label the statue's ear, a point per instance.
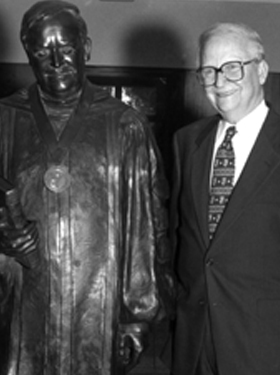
(87, 47)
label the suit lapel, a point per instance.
(201, 163)
(263, 160)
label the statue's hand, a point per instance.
(20, 243)
(132, 340)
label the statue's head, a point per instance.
(54, 36)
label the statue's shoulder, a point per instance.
(100, 98)
(19, 100)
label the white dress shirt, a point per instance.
(243, 141)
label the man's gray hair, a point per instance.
(238, 29)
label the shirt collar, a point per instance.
(244, 126)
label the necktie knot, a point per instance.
(230, 132)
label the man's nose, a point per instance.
(56, 58)
(220, 79)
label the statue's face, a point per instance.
(57, 55)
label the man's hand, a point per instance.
(20, 243)
(132, 340)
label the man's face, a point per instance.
(234, 100)
(57, 55)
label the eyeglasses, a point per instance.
(233, 71)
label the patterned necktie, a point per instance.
(222, 180)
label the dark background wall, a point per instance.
(150, 33)
(149, 48)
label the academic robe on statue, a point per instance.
(97, 196)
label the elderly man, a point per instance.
(226, 216)
(78, 299)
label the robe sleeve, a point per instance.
(10, 270)
(147, 281)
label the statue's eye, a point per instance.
(67, 50)
(41, 54)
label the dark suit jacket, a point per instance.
(237, 276)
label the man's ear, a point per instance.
(263, 69)
(87, 48)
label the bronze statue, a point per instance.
(90, 181)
